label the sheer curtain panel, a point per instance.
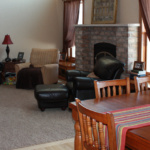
(71, 14)
(145, 12)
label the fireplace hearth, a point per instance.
(123, 37)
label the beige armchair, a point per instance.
(47, 59)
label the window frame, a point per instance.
(142, 52)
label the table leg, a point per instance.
(77, 142)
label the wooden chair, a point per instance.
(141, 83)
(92, 129)
(111, 88)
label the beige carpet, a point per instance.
(22, 124)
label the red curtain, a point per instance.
(145, 12)
(71, 14)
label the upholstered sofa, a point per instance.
(82, 87)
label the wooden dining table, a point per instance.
(136, 139)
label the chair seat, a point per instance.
(28, 78)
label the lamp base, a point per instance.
(7, 51)
(7, 59)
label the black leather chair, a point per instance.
(82, 87)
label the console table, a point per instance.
(63, 67)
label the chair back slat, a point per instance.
(102, 137)
(93, 129)
(109, 92)
(89, 130)
(103, 93)
(141, 83)
(111, 88)
(85, 128)
(114, 91)
(95, 134)
(120, 90)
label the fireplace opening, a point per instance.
(104, 49)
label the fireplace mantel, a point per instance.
(109, 25)
(124, 36)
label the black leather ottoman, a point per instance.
(49, 96)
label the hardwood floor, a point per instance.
(67, 144)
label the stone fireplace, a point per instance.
(124, 37)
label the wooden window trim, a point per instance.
(140, 38)
(142, 45)
(142, 55)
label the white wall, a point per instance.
(39, 23)
(127, 11)
(30, 24)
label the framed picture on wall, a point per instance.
(104, 11)
(20, 55)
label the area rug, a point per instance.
(22, 124)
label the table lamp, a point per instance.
(7, 40)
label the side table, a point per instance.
(10, 67)
(63, 67)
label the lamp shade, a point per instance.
(7, 40)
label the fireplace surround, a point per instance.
(123, 36)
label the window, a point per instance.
(145, 48)
(72, 51)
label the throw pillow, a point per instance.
(92, 75)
